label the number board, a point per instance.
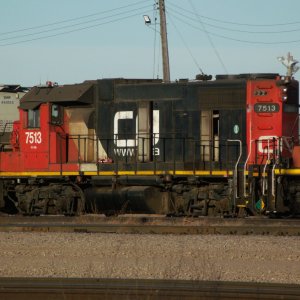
(266, 107)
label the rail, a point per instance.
(151, 224)
(111, 289)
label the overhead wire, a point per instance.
(173, 8)
(141, 10)
(231, 29)
(155, 54)
(187, 19)
(209, 38)
(185, 44)
(237, 39)
(72, 19)
(70, 31)
(237, 23)
(73, 25)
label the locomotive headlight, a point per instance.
(284, 95)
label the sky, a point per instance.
(69, 41)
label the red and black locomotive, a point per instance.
(224, 147)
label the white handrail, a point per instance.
(235, 169)
(274, 166)
(265, 167)
(245, 167)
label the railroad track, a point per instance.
(151, 224)
(110, 289)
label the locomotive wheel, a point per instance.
(67, 198)
(76, 204)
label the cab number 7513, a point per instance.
(33, 137)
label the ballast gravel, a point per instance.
(191, 257)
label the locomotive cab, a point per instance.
(272, 115)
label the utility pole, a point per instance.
(164, 41)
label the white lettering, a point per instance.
(33, 137)
(124, 152)
(156, 151)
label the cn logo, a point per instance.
(267, 143)
(131, 143)
(121, 115)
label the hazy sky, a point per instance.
(69, 41)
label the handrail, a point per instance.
(188, 151)
(236, 169)
(265, 167)
(274, 166)
(4, 129)
(245, 167)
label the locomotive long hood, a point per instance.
(75, 93)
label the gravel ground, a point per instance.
(202, 257)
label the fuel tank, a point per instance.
(127, 199)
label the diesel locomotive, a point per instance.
(223, 147)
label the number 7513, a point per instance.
(33, 137)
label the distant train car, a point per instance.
(9, 101)
(225, 147)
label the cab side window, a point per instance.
(33, 118)
(56, 114)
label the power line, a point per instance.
(240, 24)
(72, 25)
(236, 39)
(209, 37)
(233, 30)
(72, 19)
(70, 31)
(185, 44)
(159, 48)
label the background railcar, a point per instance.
(10, 95)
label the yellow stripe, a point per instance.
(287, 171)
(145, 173)
(189, 173)
(292, 172)
(120, 173)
